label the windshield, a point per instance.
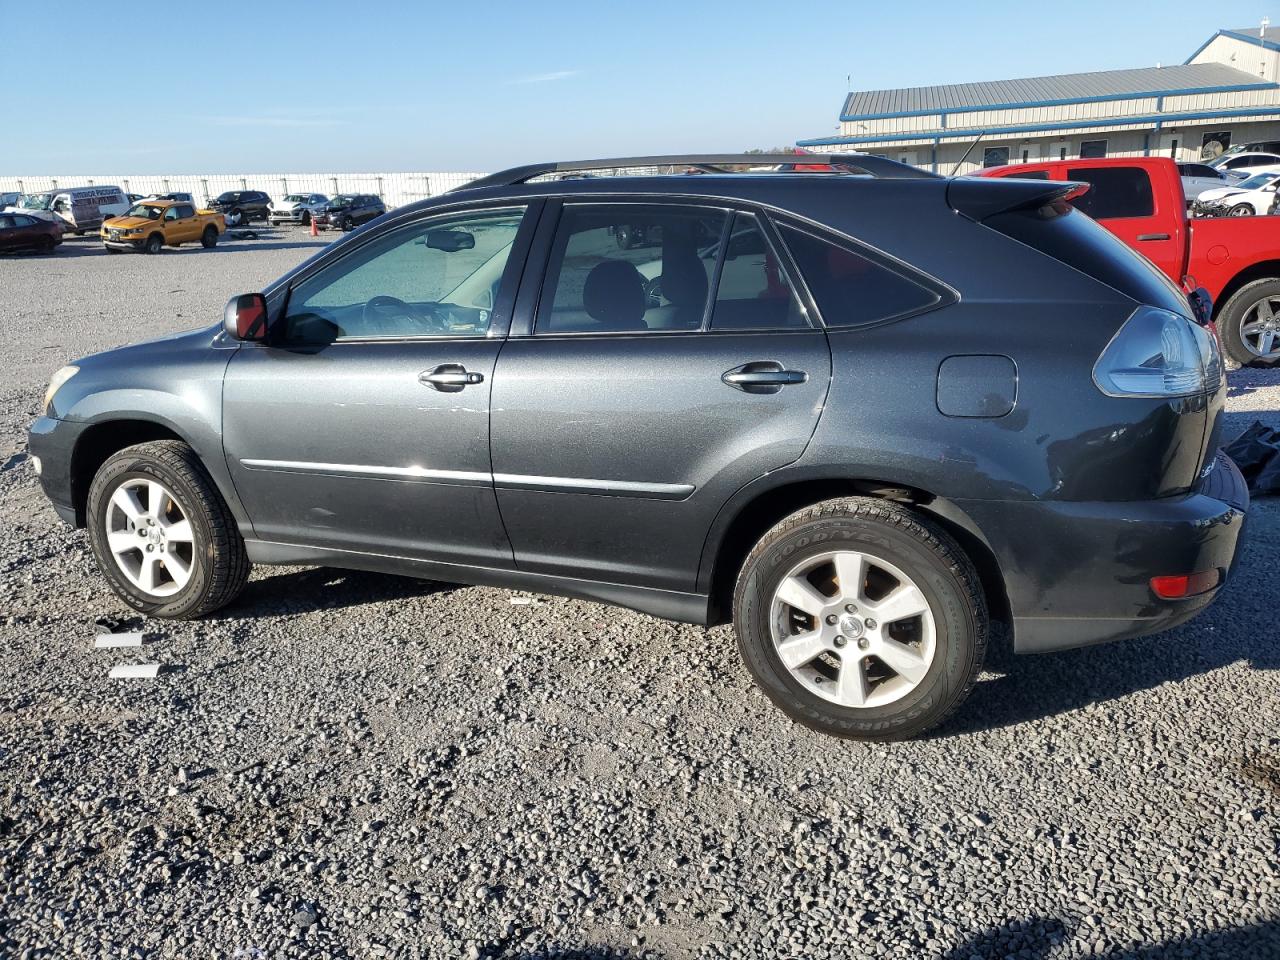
(1258, 181)
(147, 211)
(37, 201)
(341, 201)
(296, 198)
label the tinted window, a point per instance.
(1031, 175)
(1198, 170)
(185, 211)
(629, 269)
(1115, 192)
(753, 292)
(433, 279)
(1093, 149)
(849, 288)
(995, 156)
(7, 222)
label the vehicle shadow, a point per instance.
(1039, 939)
(322, 588)
(1238, 626)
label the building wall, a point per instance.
(396, 189)
(1249, 57)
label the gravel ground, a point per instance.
(348, 765)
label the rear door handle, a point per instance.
(1153, 236)
(762, 376)
(450, 377)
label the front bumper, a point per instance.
(286, 216)
(53, 441)
(1079, 573)
(134, 245)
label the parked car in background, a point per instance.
(349, 210)
(1199, 177)
(851, 443)
(9, 199)
(176, 196)
(1236, 261)
(1245, 163)
(1249, 198)
(241, 207)
(78, 209)
(19, 231)
(151, 225)
(297, 208)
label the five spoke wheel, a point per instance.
(853, 628)
(1260, 330)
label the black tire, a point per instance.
(48, 245)
(111, 250)
(1241, 210)
(306, 219)
(220, 565)
(154, 244)
(209, 239)
(347, 224)
(921, 550)
(1236, 313)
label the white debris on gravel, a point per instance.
(378, 767)
(134, 671)
(107, 641)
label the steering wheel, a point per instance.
(393, 306)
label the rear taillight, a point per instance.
(1158, 353)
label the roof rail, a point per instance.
(879, 167)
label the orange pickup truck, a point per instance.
(151, 225)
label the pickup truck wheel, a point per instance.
(209, 238)
(1250, 323)
(861, 618)
(161, 533)
(154, 244)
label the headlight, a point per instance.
(56, 381)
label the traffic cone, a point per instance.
(314, 232)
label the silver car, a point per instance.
(1199, 177)
(297, 207)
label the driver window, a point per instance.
(437, 278)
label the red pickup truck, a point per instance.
(1237, 259)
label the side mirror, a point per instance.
(246, 318)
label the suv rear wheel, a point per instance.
(862, 619)
(161, 533)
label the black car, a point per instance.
(18, 231)
(349, 210)
(882, 411)
(241, 207)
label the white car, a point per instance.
(1244, 162)
(1248, 198)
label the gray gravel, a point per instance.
(349, 765)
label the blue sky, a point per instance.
(480, 85)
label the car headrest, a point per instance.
(613, 295)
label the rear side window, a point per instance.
(1115, 192)
(630, 268)
(851, 289)
(753, 292)
(1030, 175)
(185, 211)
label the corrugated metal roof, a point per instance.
(1271, 33)
(1067, 87)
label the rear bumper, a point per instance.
(1079, 573)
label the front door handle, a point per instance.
(762, 376)
(450, 377)
(1153, 236)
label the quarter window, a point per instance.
(439, 278)
(1115, 192)
(850, 288)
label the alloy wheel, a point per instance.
(1260, 328)
(853, 629)
(150, 537)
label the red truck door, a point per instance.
(1124, 200)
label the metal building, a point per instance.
(1227, 93)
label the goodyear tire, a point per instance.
(861, 618)
(161, 533)
(209, 239)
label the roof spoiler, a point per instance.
(981, 197)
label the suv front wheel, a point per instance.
(861, 618)
(162, 534)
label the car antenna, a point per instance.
(966, 153)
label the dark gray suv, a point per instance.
(862, 413)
